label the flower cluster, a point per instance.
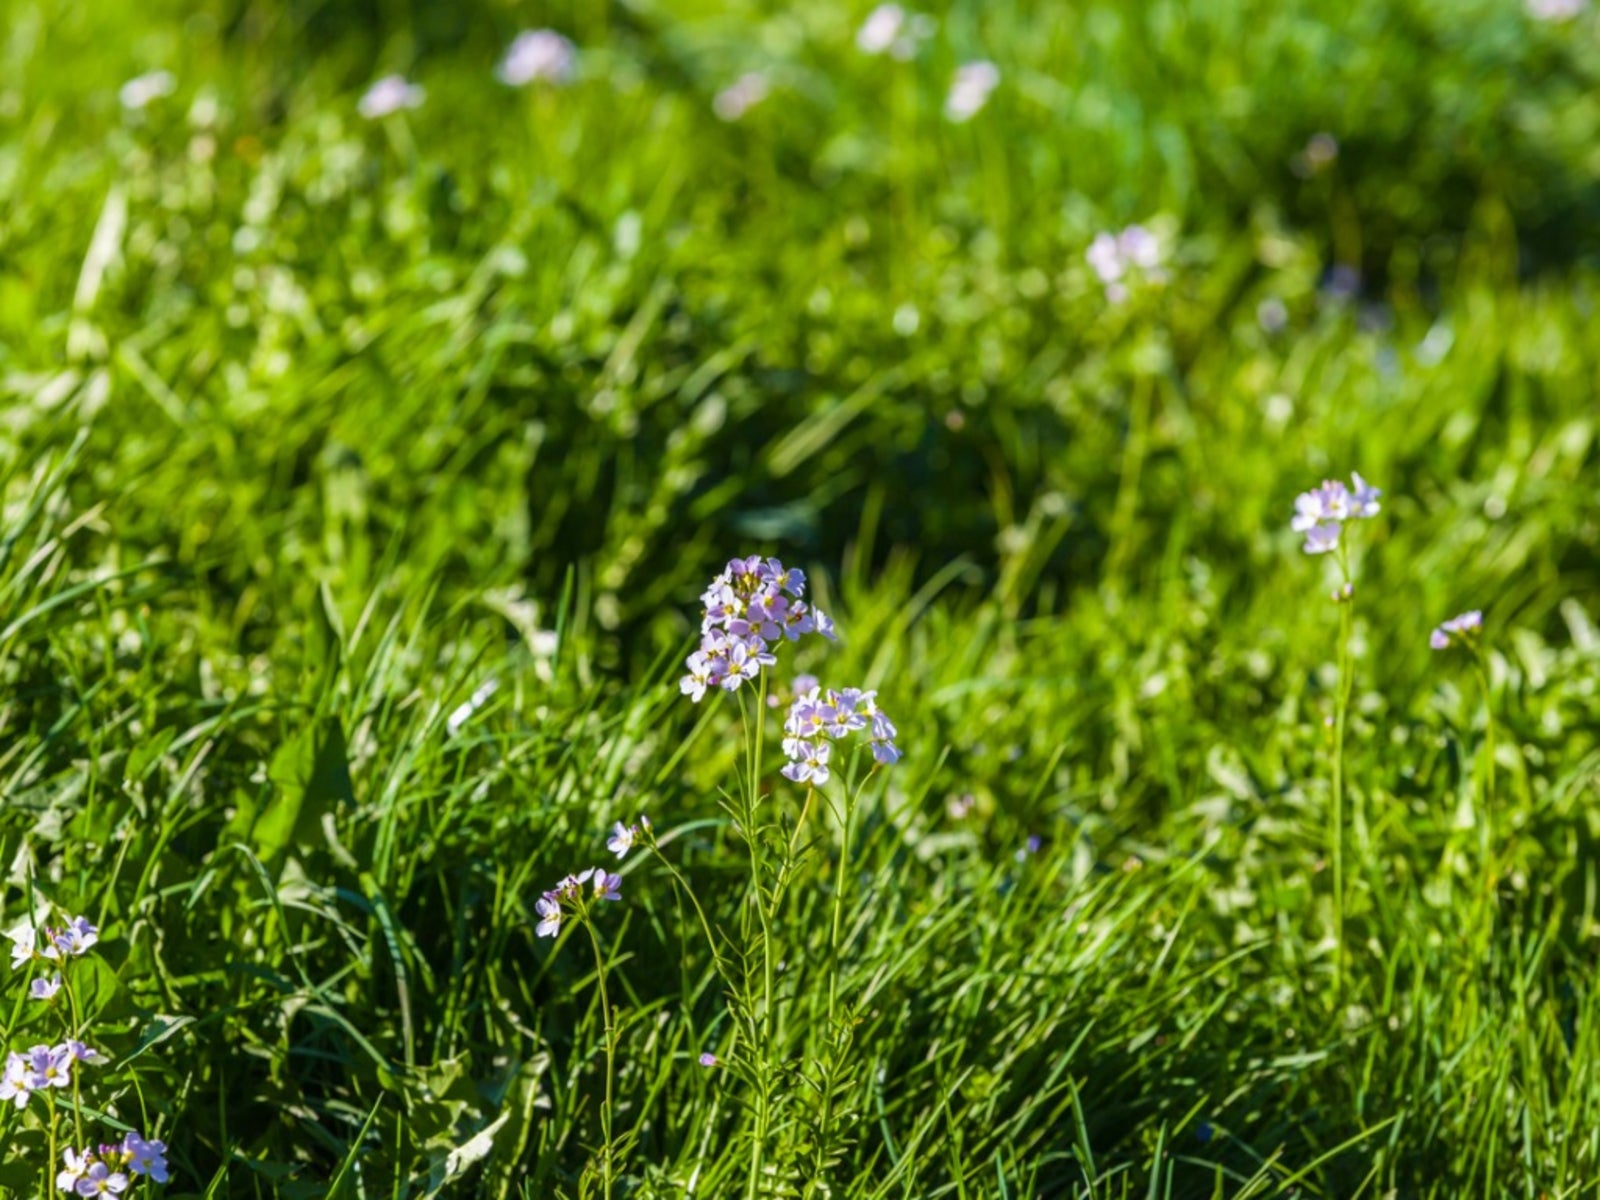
(1463, 630)
(969, 90)
(573, 895)
(1114, 257)
(71, 941)
(1321, 512)
(890, 28)
(105, 1171)
(43, 1067)
(818, 718)
(752, 604)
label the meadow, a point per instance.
(366, 455)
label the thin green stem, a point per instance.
(607, 1166)
(1341, 708)
(1486, 840)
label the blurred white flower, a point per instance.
(891, 29)
(538, 54)
(970, 89)
(1555, 10)
(739, 97)
(139, 91)
(389, 95)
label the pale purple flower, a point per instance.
(1322, 538)
(82, 1052)
(1139, 247)
(390, 95)
(1555, 10)
(142, 89)
(76, 938)
(747, 608)
(884, 752)
(740, 96)
(49, 1067)
(969, 90)
(75, 1168)
(16, 1084)
(1105, 258)
(621, 839)
(708, 1059)
(1029, 847)
(1114, 257)
(810, 764)
(1463, 629)
(824, 624)
(146, 1156)
(607, 886)
(1363, 497)
(538, 54)
(101, 1180)
(549, 910)
(45, 987)
(891, 28)
(24, 943)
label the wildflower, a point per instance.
(75, 1168)
(101, 1180)
(607, 887)
(970, 89)
(740, 96)
(891, 28)
(1113, 256)
(537, 54)
(24, 945)
(142, 89)
(818, 717)
(549, 910)
(146, 1156)
(1320, 539)
(49, 1067)
(82, 1052)
(749, 606)
(1029, 847)
(621, 839)
(1320, 512)
(708, 1059)
(16, 1084)
(388, 96)
(810, 764)
(1555, 10)
(1463, 629)
(45, 988)
(75, 939)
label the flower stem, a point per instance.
(1486, 841)
(607, 1166)
(1341, 708)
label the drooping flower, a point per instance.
(970, 89)
(390, 95)
(45, 987)
(1463, 629)
(740, 96)
(146, 1156)
(538, 54)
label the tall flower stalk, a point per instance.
(1320, 515)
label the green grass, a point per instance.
(311, 426)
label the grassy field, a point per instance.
(360, 478)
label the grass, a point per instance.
(311, 427)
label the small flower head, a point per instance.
(890, 28)
(622, 838)
(753, 604)
(607, 886)
(142, 89)
(390, 95)
(82, 1052)
(45, 987)
(50, 1067)
(16, 1083)
(1320, 513)
(101, 1180)
(1322, 538)
(969, 90)
(75, 939)
(1462, 630)
(538, 55)
(24, 945)
(549, 909)
(740, 96)
(146, 1157)
(75, 1165)
(708, 1059)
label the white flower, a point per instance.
(970, 89)
(739, 97)
(138, 92)
(389, 95)
(538, 54)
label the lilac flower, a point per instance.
(146, 1157)
(809, 763)
(75, 939)
(1320, 539)
(45, 988)
(621, 839)
(49, 1067)
(82, 1052)
(549, 910)
(1029, 847)
(1463, 629)
(537, 54)
(1555, 10)
(1321, 512)
(817, 717)
(890, 28)
(607, 887)
(740, 96)
(708, 1059)
(101, 1180)
(969, 90)
(75, 1168)
(1115, 256)
(747, 608)
(16, 1084)
(142, 89)
(388, 96)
